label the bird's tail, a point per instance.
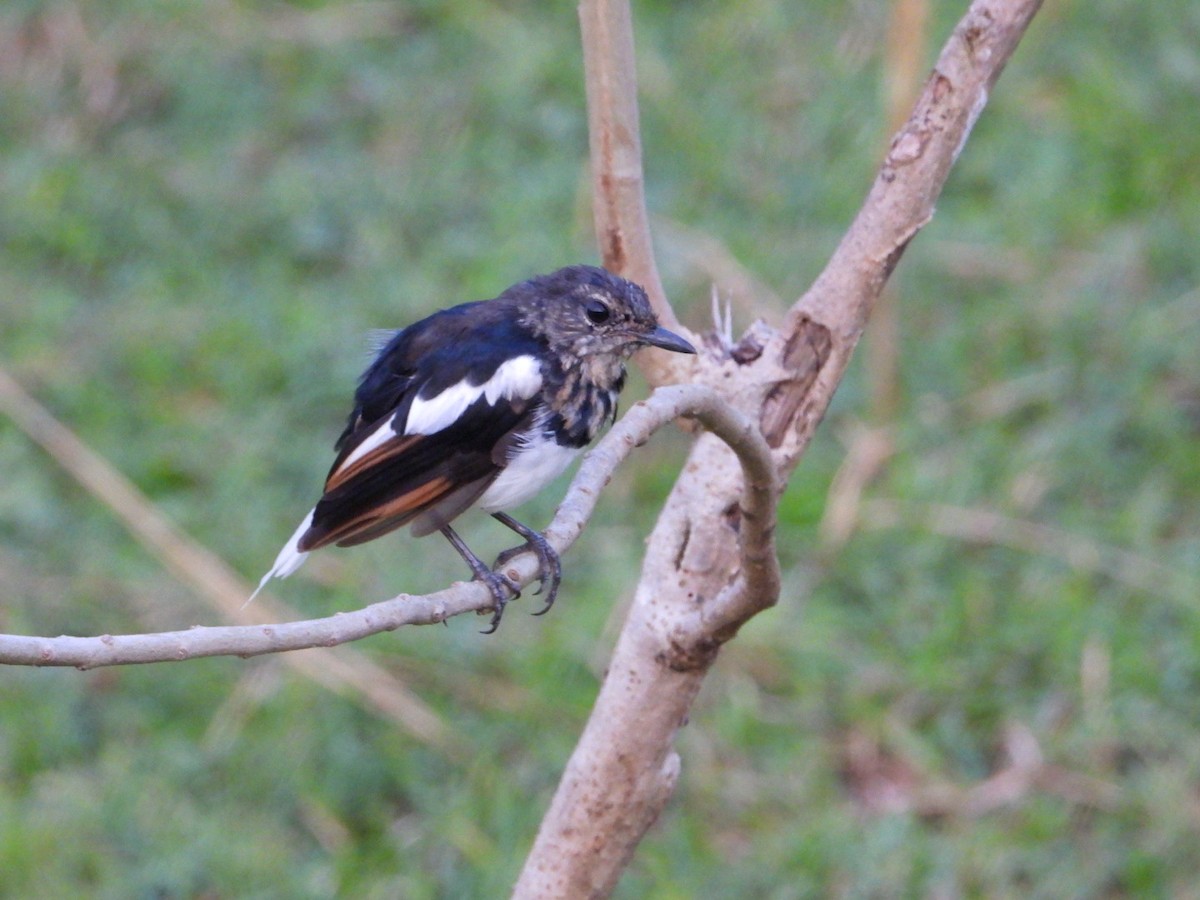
(290, 558)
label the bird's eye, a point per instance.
(597, 312)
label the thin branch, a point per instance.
(633, 430)
(619, 204)
(756, 587)
(759, 561)
(343, 671)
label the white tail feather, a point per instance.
(288, 561)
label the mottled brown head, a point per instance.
(586, 312)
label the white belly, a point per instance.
(533, 468)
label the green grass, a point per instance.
(204, 208)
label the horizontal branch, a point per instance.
(633, 430)
(341, 670)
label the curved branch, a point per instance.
(633, 430)
(687, 401)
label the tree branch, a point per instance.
(342, 671)
(633, 430)
(834, 311)
(697, 584)
(619, 202)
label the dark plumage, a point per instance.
(481, 404)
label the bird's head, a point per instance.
(587, 312)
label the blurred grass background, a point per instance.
(205, 206)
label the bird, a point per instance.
(481, 405)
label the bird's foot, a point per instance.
(498, 584)
(549, 565)
(501, 586)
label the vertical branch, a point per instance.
(619, 202)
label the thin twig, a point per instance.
(633, 430)
(344, 671)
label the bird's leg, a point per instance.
(498, 584)
(550, 564)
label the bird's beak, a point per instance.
(666, 340)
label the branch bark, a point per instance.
(634, 429)
(615, 144)
(696, 588)
(341, 671)
(711, 562)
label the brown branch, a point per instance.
(619, 211)
(633, 430)
(696, 588)
(343, 672)
(900, 203)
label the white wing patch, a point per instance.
(432, 415)
(289, 559)
(383, 432)
(518, 377)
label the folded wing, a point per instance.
(438, 447)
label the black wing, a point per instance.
(473, 375)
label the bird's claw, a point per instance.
(511, 553)
(500, 586)
(549, 568)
